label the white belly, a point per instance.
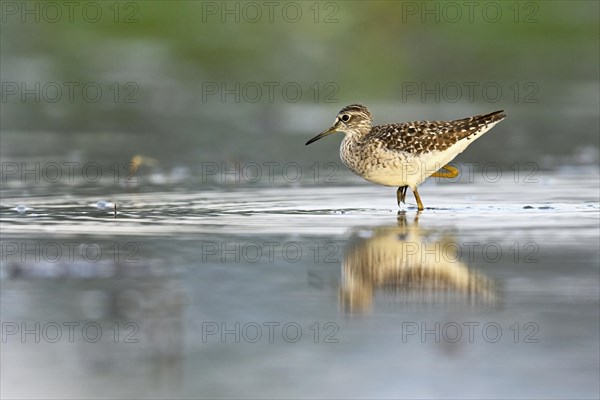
(401, 169)
(411, 172)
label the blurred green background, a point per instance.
(161, 67)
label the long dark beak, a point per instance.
(321, 135)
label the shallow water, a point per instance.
(302, 291)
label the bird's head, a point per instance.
(354, 119)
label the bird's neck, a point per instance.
(352, 138)
(349, 153)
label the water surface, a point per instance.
(303, 291)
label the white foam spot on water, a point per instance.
(103, 205)
(21, 209)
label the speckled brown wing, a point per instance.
(418, 137)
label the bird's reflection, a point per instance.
(414, 264)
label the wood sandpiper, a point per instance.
(406, 153)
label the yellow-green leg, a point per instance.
(451, 172)
(418, 198)
(401, 197)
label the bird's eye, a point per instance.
(345, 118)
